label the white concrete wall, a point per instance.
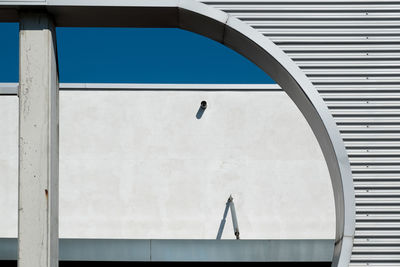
(8, 166)
(139, 164)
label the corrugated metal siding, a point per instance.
(351, 52)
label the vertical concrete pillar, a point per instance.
(38, 143)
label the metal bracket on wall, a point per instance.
(229, 205)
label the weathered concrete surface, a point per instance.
(38, 143)
(141, 165)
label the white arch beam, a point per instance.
(200, 18)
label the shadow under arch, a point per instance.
(235, 34)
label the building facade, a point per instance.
(348, 50)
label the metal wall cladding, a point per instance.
(351, 52)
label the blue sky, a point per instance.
(135, 55)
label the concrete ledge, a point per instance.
(12, 88)
(185, 250)
(8, 88)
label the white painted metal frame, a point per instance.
(217, 25)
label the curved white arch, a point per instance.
(215, 24)
(263, 52)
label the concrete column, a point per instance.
(38, 143)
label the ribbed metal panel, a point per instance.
(351, 52)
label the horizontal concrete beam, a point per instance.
(185, 250)
(8, 88)
(12, 88)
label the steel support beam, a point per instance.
(38, 143)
